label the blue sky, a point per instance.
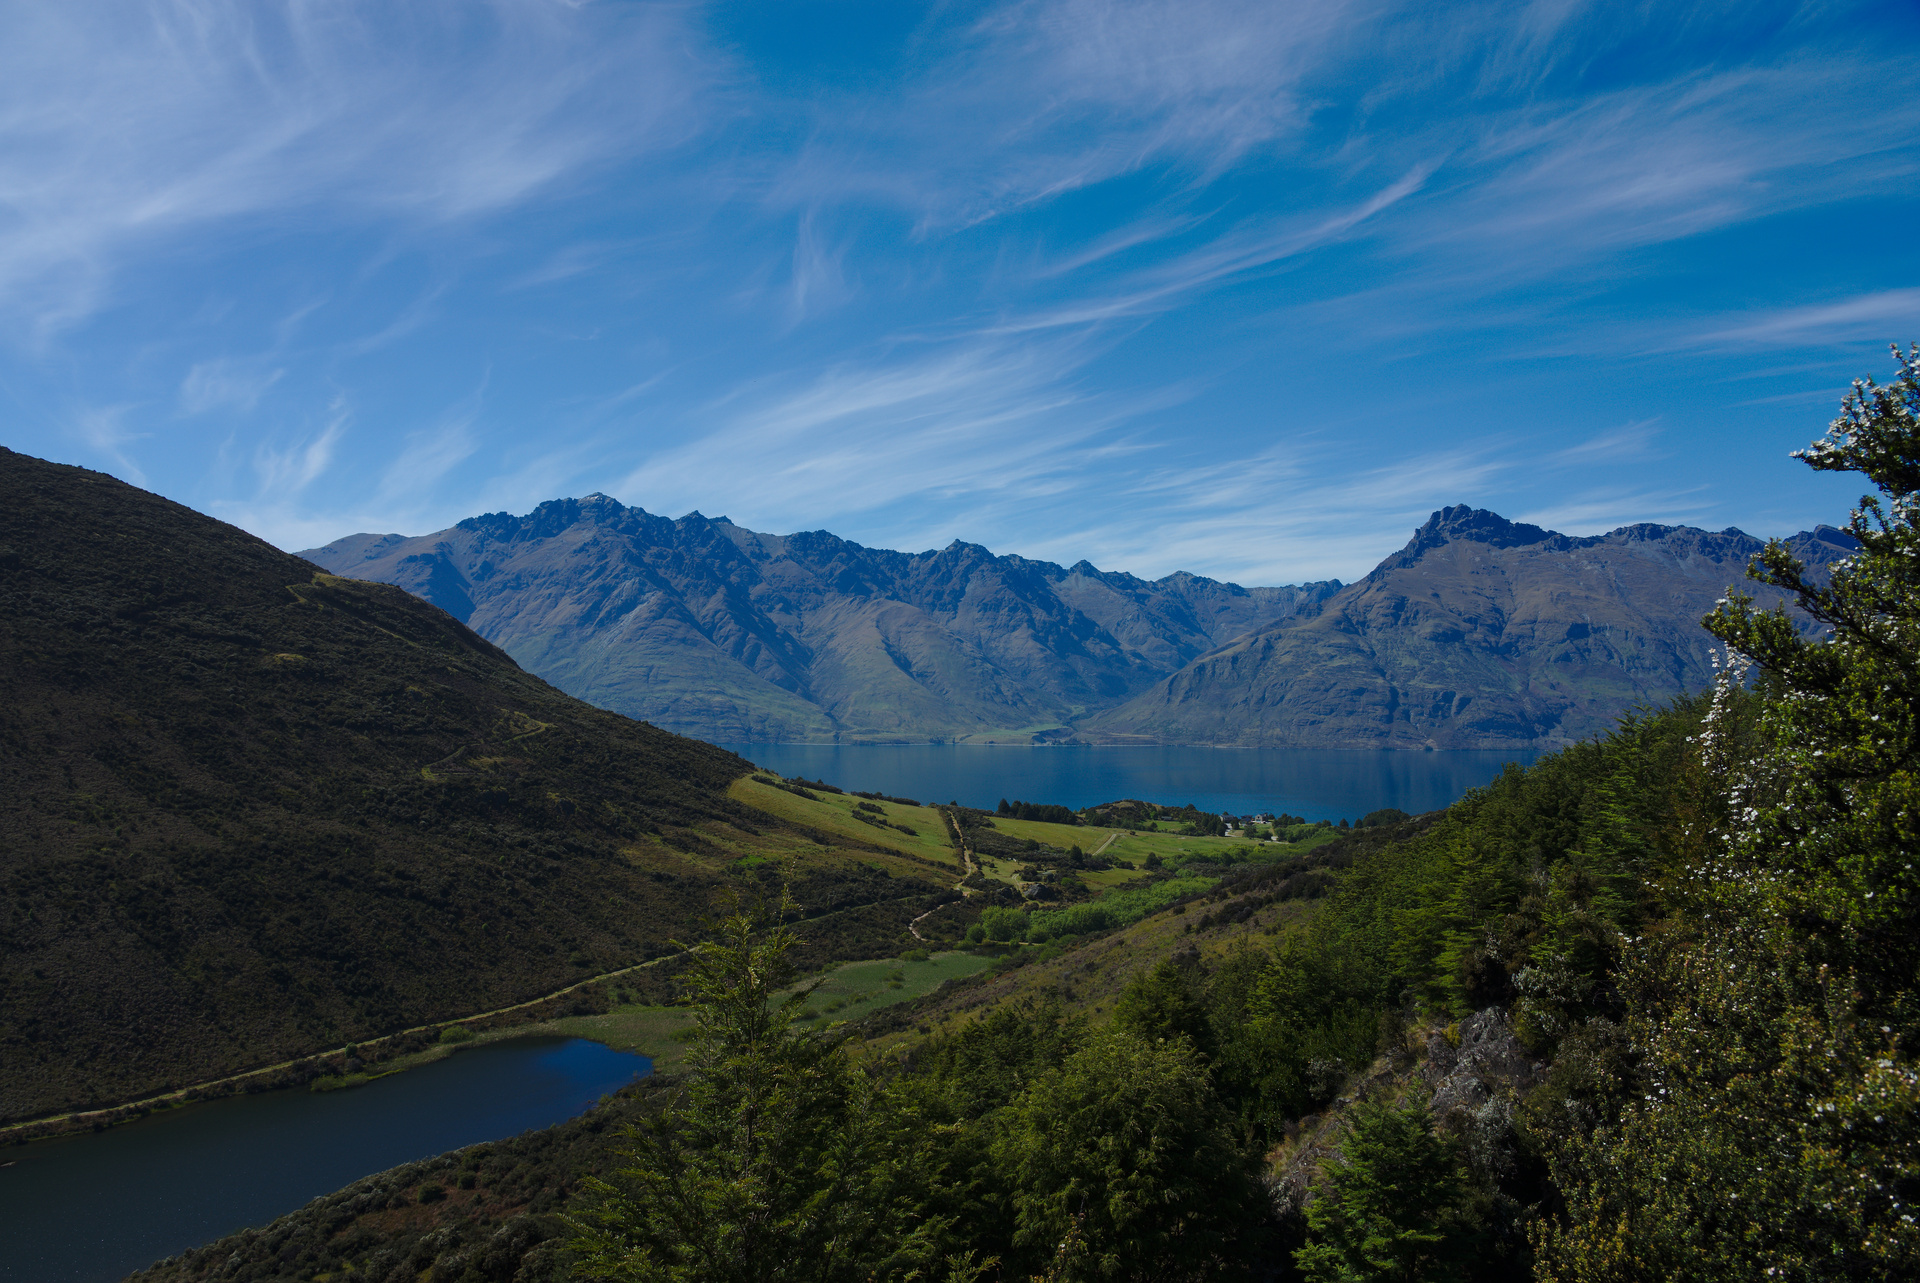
(1242, 289)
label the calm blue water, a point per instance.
(1316, 784)
(99, 1206)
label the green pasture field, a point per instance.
(1107, 879)
(1060, 835)
(1319, 837)
(1134, 848)
(833, 813)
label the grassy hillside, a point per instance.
(834, 813)
(254, 811)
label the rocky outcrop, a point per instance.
(1468, 1064)
(1470, 1076)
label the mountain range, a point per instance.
(1480, 633)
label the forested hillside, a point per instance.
(254, 811)
(1645, 1010)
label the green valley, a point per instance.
(1644, 1009)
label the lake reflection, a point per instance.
(99, 1206)
(1318, 784)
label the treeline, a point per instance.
(1045, 813)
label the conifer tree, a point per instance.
(779, 1161)
(1393, 1209)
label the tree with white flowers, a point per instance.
(1776, 1130)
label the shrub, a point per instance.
(1003, 924)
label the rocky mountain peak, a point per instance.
(1478, 525)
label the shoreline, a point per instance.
(48, 1127)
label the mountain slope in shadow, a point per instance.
(253, 810)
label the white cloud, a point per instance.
(1630, 440)
(979, 415)
(430, 453)
(284, 471)
(1296, 513)
(140, 120)
(225, 383)
(1878, 315)
(1555, 187)
(1597, 512)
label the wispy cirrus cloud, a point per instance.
(284, 470)
(1660, 162)
(963, 419)
(103, 429)
(1864, 316)
(1628, 441)
(226, 383)
(1268, 520)
(143, 120)
(1238, 287)
(1596, 511)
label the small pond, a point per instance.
(95, 1207)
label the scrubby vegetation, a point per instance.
(1114, 909)
(1046, 813)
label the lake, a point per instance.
(1314, 783)
(97, 1206)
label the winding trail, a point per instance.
(970, 868)
(967, 869)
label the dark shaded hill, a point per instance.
(1480, 633)
(253, 810)
(717, 631)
